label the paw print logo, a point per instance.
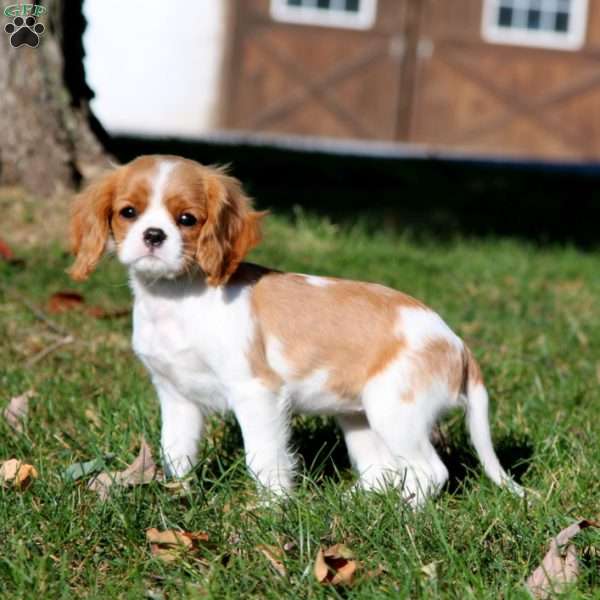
(24, 32)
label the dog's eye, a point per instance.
(128, 212)
(187, 220)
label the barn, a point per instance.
(483, 77)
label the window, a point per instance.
(545, 23)
(352, 14)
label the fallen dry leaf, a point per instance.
(141, 471)
(102, 483)
(92, 416)
(274, 555)
(170, 545)
(178, 488)
(67, 300)
(335, 565)
(6, 252)
(16, 411)
(64, 301)
(102, 313)
(17, 473)
(154, 594)
(560, 566)
(430, 570)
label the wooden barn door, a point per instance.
(321, 81)
(496, 99)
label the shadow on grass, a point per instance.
(322, 455)
(320, 448)
(514, 453)
(438, 197)
(590, 560)
(317, 442)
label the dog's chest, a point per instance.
(189, 342)
(165, 344)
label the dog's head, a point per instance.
(164, 215)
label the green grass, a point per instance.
(532, 318)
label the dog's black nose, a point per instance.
(154, 237)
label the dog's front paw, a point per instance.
(177, 467)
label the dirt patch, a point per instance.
(29, 221)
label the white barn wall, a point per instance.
(155, 66)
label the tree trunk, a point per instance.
(48, 140)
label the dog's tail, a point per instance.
(478, 425)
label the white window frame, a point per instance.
(364, 18)
(573, 39)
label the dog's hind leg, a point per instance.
(402, 417)
(369, 455)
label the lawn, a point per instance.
(530, 314)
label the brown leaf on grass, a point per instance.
(274, 555)
(16, 473)
(560, 566)
(64, 301)
(6, 252)
(102, 313)
(178, 488)
(154, 594)
(16, 411)
(102, 483)
(170, 545)
(336, 565)
(430, 571)
(92, 416)
(67, 300)
(141, 471)
(8, 256)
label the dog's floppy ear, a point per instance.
(231, 229)
(90, 225)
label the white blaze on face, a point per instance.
(165, 260)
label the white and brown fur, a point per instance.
(217, 334)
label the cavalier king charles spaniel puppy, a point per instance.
(218, 334)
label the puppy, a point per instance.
(217, 334)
